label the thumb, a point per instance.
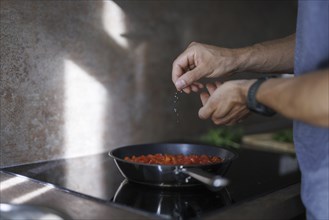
(188, 78)
(206, 112)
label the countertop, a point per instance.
(283, 203)
(73, 206)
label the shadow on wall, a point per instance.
(73, 84)
(84, 77)
(110, 97)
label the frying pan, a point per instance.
(173, 175)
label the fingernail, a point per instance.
(180, 84)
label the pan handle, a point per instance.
(207, 178)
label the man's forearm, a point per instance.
(302, 98)
(275, 56)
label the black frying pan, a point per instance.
(173, 175)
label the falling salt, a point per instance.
(176, 102)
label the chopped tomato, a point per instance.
(180, 159)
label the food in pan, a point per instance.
(180, 159)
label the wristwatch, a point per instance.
(253, 104)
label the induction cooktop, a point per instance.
(252, 174)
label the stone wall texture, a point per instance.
(82, 77)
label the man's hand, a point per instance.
(201, 60)
(225, 103)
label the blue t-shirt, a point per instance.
(311, 142)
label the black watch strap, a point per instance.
(252, 103)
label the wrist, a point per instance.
(243, 58)
(253, 97)
(246, 86)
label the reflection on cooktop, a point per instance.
(96, 177)
(177, 203)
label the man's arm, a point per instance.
(201, 60)
(304, 98)
(275, 56)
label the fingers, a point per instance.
(201, 60)
(224, 104)
(243, 115)
(207, 110)
(218, 83)
(231, 118)
(204, 97)
(187, 90)
(180, 65)
(208, 107)
(211, 88)
(196, 86)
(183, 70)
(188, 78)
(186, 70)
(199, 85)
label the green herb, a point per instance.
(225, 136)
(284, 136)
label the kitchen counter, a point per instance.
(264, 189)
(74, 206)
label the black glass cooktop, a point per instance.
(251, 175)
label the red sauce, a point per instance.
(180, 159)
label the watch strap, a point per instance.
(253, 104)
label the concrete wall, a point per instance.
(81, 77)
